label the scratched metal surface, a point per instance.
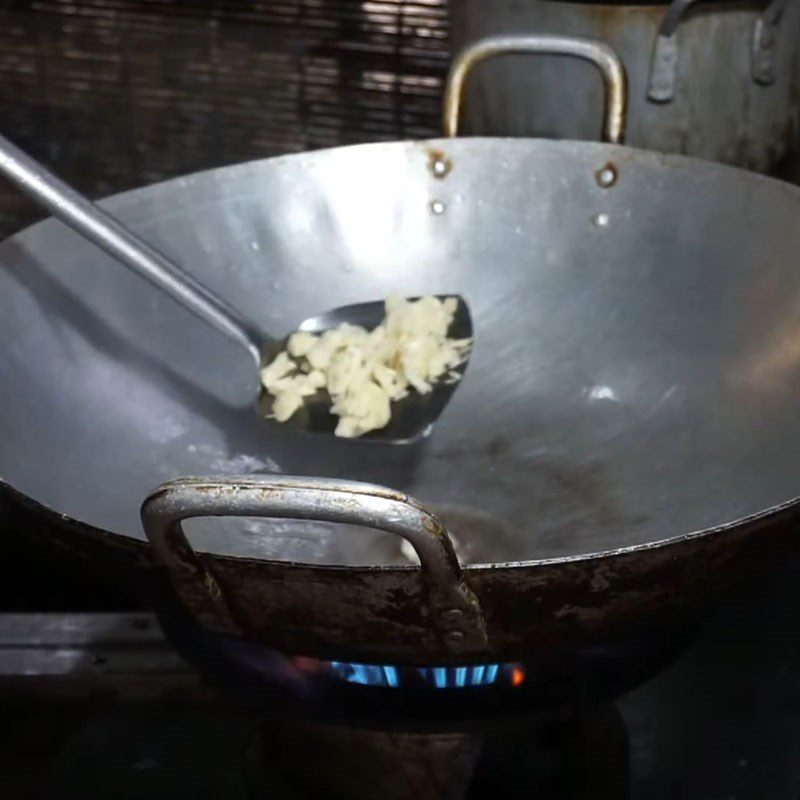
(633, 376)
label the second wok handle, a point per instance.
(454, 610)
(103, 230)
(598, 53)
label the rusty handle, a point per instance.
(598, 53)
(455, 611)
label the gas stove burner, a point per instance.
(394, 677)
(402, 696)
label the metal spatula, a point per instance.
(412, 417)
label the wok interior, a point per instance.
(635, 375)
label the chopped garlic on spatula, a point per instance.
(363, 371)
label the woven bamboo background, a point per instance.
(119, 93)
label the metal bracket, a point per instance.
(664, 64)
(765, 42)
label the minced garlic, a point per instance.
(363, 371)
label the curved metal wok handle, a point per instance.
(455, 611)
(598, 53)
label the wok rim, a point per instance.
(43, 510)
(623, 152)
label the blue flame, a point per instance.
(437, 677)
(390, 673)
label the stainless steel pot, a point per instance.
(717, 80)
(621, 449)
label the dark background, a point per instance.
(114, 94)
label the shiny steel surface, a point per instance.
(411, 417)
(595, 52)
(634, 376)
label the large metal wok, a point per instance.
(622, 447)
(718, 80)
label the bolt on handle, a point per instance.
(598, 53)
(454, 610)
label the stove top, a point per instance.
(100, 706)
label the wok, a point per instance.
(678, 54)
(621, 448)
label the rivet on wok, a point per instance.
(454, 636)
(606, 176)
(601, 220)
(437, 207)
(439, 164)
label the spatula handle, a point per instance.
(103, 230)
